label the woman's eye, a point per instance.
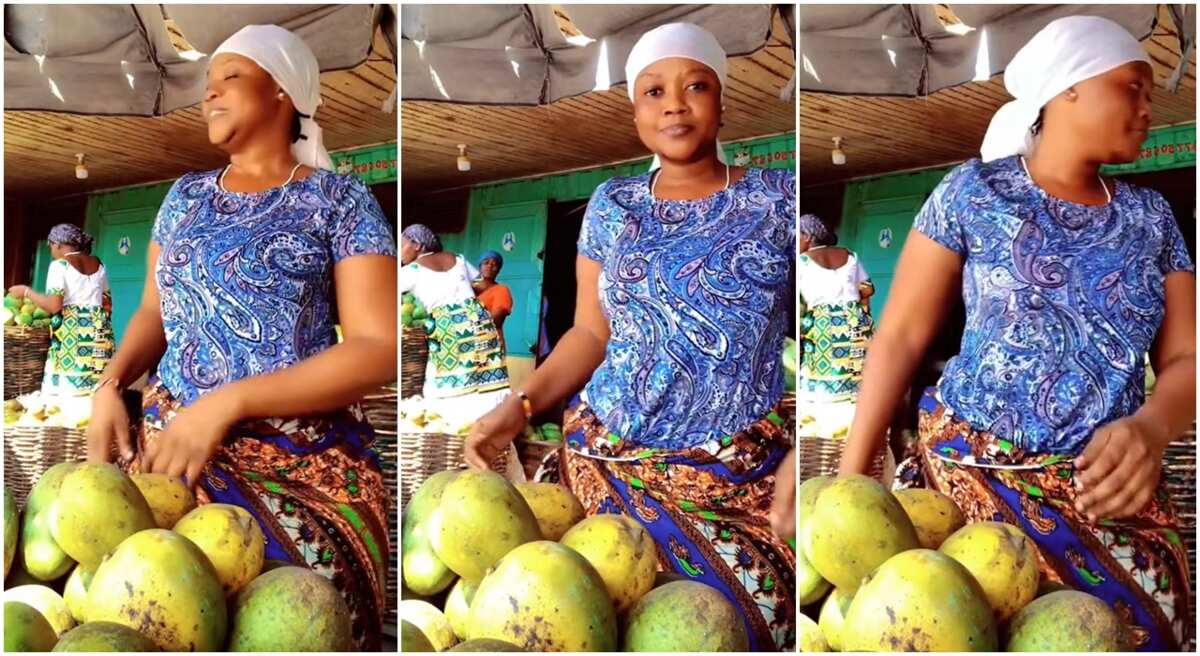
(653, 91)
(231, 76)
(698, 86)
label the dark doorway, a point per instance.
(558, 279)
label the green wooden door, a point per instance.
(518, 232)
(123, 241)
(878, 237)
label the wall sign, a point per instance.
(123, 245)
(885, 238)
(509, 241)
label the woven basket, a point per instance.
(30, 450)
(414, 355)
(424, 454)
(25, 350)
(1179, 478)
(381, 409)
(820, 456)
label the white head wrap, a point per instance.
(677, 40)
(1064, 53)
(287, 59)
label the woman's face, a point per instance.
(241, 100)
(409, 250)
(677, 108)
(489, 268)
(59, 251)
(1110, 115)
(805, 243)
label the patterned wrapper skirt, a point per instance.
(1139, 565)
(81, 344)
(317, 491)
(706, 507)
(465, 354)
(834, 338)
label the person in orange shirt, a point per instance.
(495, 297)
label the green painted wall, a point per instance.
(121, 221)
(521, 206)
(880, 210)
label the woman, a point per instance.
(466, 375)
(81, 342)
(835, 327)
(677, 344)
(495, 297)
(1068, 280)
(253, 401)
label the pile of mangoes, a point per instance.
(23, 312)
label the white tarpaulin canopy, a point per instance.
(120, 59)
(519, 54)
(915, 50)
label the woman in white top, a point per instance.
(465, 357)
(77, 294)
(835, 326)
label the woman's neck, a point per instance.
(1063, 173)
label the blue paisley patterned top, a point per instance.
(246, 280)
(696, 294)
(1062, 300)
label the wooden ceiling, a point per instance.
(40, 147)
(882, 134)
(584, 131)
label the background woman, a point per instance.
(496, 298)
(254, 402)
(835, 328)
(681, 313)
(81, 340)
(1068, 279)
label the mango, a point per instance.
(685, 616)
(1066, 620)
(169, 498)
(25, 629)
(811, 586)
(431, 621)
(45, 601)
(423, 572)
(97, 508)
(856, 525)
(809, 637)
(833, 617)
(458, 606)
(481, 517)
(232, 540)
(412, 640)
(12, 522)
(920, 600)
(291, 609)
(104, 637)
(554, 507)
(542, 596)
(1002, 559)
(75, 593)
(934, 515)
(41, 555)
(160, 584)
(806, 497)
(485, 644)
(621, 550)
(663, 578)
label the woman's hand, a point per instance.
(19, 291)
(493, 432)
(192, 437)
(783, 504)
(1119, 470)
(109, 420)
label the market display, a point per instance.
(23, 312)
(111, 562)
(904, 572)
(491, 566)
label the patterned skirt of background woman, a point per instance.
(81, 344)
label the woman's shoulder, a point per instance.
(772, 176)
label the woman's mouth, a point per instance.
(675, 131)
(217, 113)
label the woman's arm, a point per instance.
(51, 303)
(927, 277)
(1173, 404)
(343, 374)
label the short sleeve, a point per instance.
(939, 218)
(408, 278)
(789, 208)
(505, 299)
(358, 226)
(1174, 255)
(861, 278)
(601, 224)
(472, 272)
(173, 207)
(56, 278)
